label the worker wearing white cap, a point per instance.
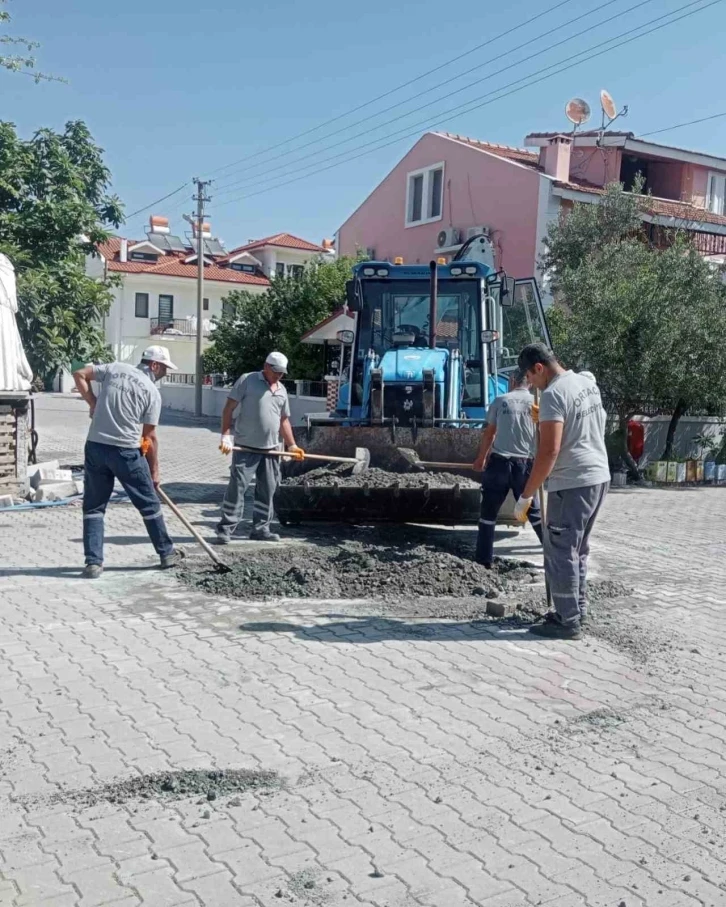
(122, 444)
(259, 408)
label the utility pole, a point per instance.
(200, 198)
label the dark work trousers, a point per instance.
(245, 466)
(571, 514)
(502, 475)
(103, 464)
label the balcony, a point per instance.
(183, 328)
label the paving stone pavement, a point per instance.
(425, 763)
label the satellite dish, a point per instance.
(608, 105)
(577, 111)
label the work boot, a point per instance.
(92, 571)
(264, 535)
(551, 617)
(222, 538)
(553, 628)
(172, 560)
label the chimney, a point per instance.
(123, 252)
(555, 157)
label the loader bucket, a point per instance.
(424, 504)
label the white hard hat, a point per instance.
(159, 354)
(277, 361)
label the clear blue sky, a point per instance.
(173, 89)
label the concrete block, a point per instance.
(499, 609)
(57, 491)
(6, 500)
(55, 475)
(38, 471)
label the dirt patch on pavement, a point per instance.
(379, 478)
(209, 784)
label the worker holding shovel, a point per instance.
(505, 454)
(262, 416)
(572, 457)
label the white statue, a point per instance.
(15, 372)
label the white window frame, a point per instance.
(716, 200)
(427, 173)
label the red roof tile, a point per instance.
(172, 265)
(284, 240)
(663, 207)
(520, 155)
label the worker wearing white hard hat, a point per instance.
(122, 444)
(255, 417)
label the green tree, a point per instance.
(54, 211)
(255, 324)
(23, 62)
(648, 322)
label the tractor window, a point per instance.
(521, 324)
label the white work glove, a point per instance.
(521, 509)
(226, 444)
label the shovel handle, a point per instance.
(445, 465)
(185, 522)
(307, 456)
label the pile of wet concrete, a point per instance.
(364, 563)
(379, 478)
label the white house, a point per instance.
(156, 299)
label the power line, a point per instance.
(157, 202)
(489, 62)
(714, 116)
(451, 113)
(391, 91)
(458, 111)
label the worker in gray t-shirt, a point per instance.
(122, 445)
(505, 454)
(260, 410)
(572, 456)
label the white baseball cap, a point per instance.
(278, 362)
(159, 354)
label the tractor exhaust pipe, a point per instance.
(434, 283)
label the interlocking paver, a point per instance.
(446, 768)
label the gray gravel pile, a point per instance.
(207, 784)
(379, 478)
(358, 569)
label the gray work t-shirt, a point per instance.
(260, 411)
(512, 415)
(127, 401)
(582, 460)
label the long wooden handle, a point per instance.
(284, 453)
(185, 522)
(445, 465)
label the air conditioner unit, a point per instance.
(476, 231)
(447, 238)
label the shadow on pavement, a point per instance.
(376, 629)
(65, 572)
(195, 492)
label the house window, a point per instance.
(166, 309)
(716, 197)
(227, 308)
(295, 271)
(280, 269)
(425, 195)
(205, 305)
(143, 256)
(141, 305)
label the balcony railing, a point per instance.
(178, 327)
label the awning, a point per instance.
(327, 329)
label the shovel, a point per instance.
(219, 564)
(413, 459)
(361, 460)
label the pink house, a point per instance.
(448, 187)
